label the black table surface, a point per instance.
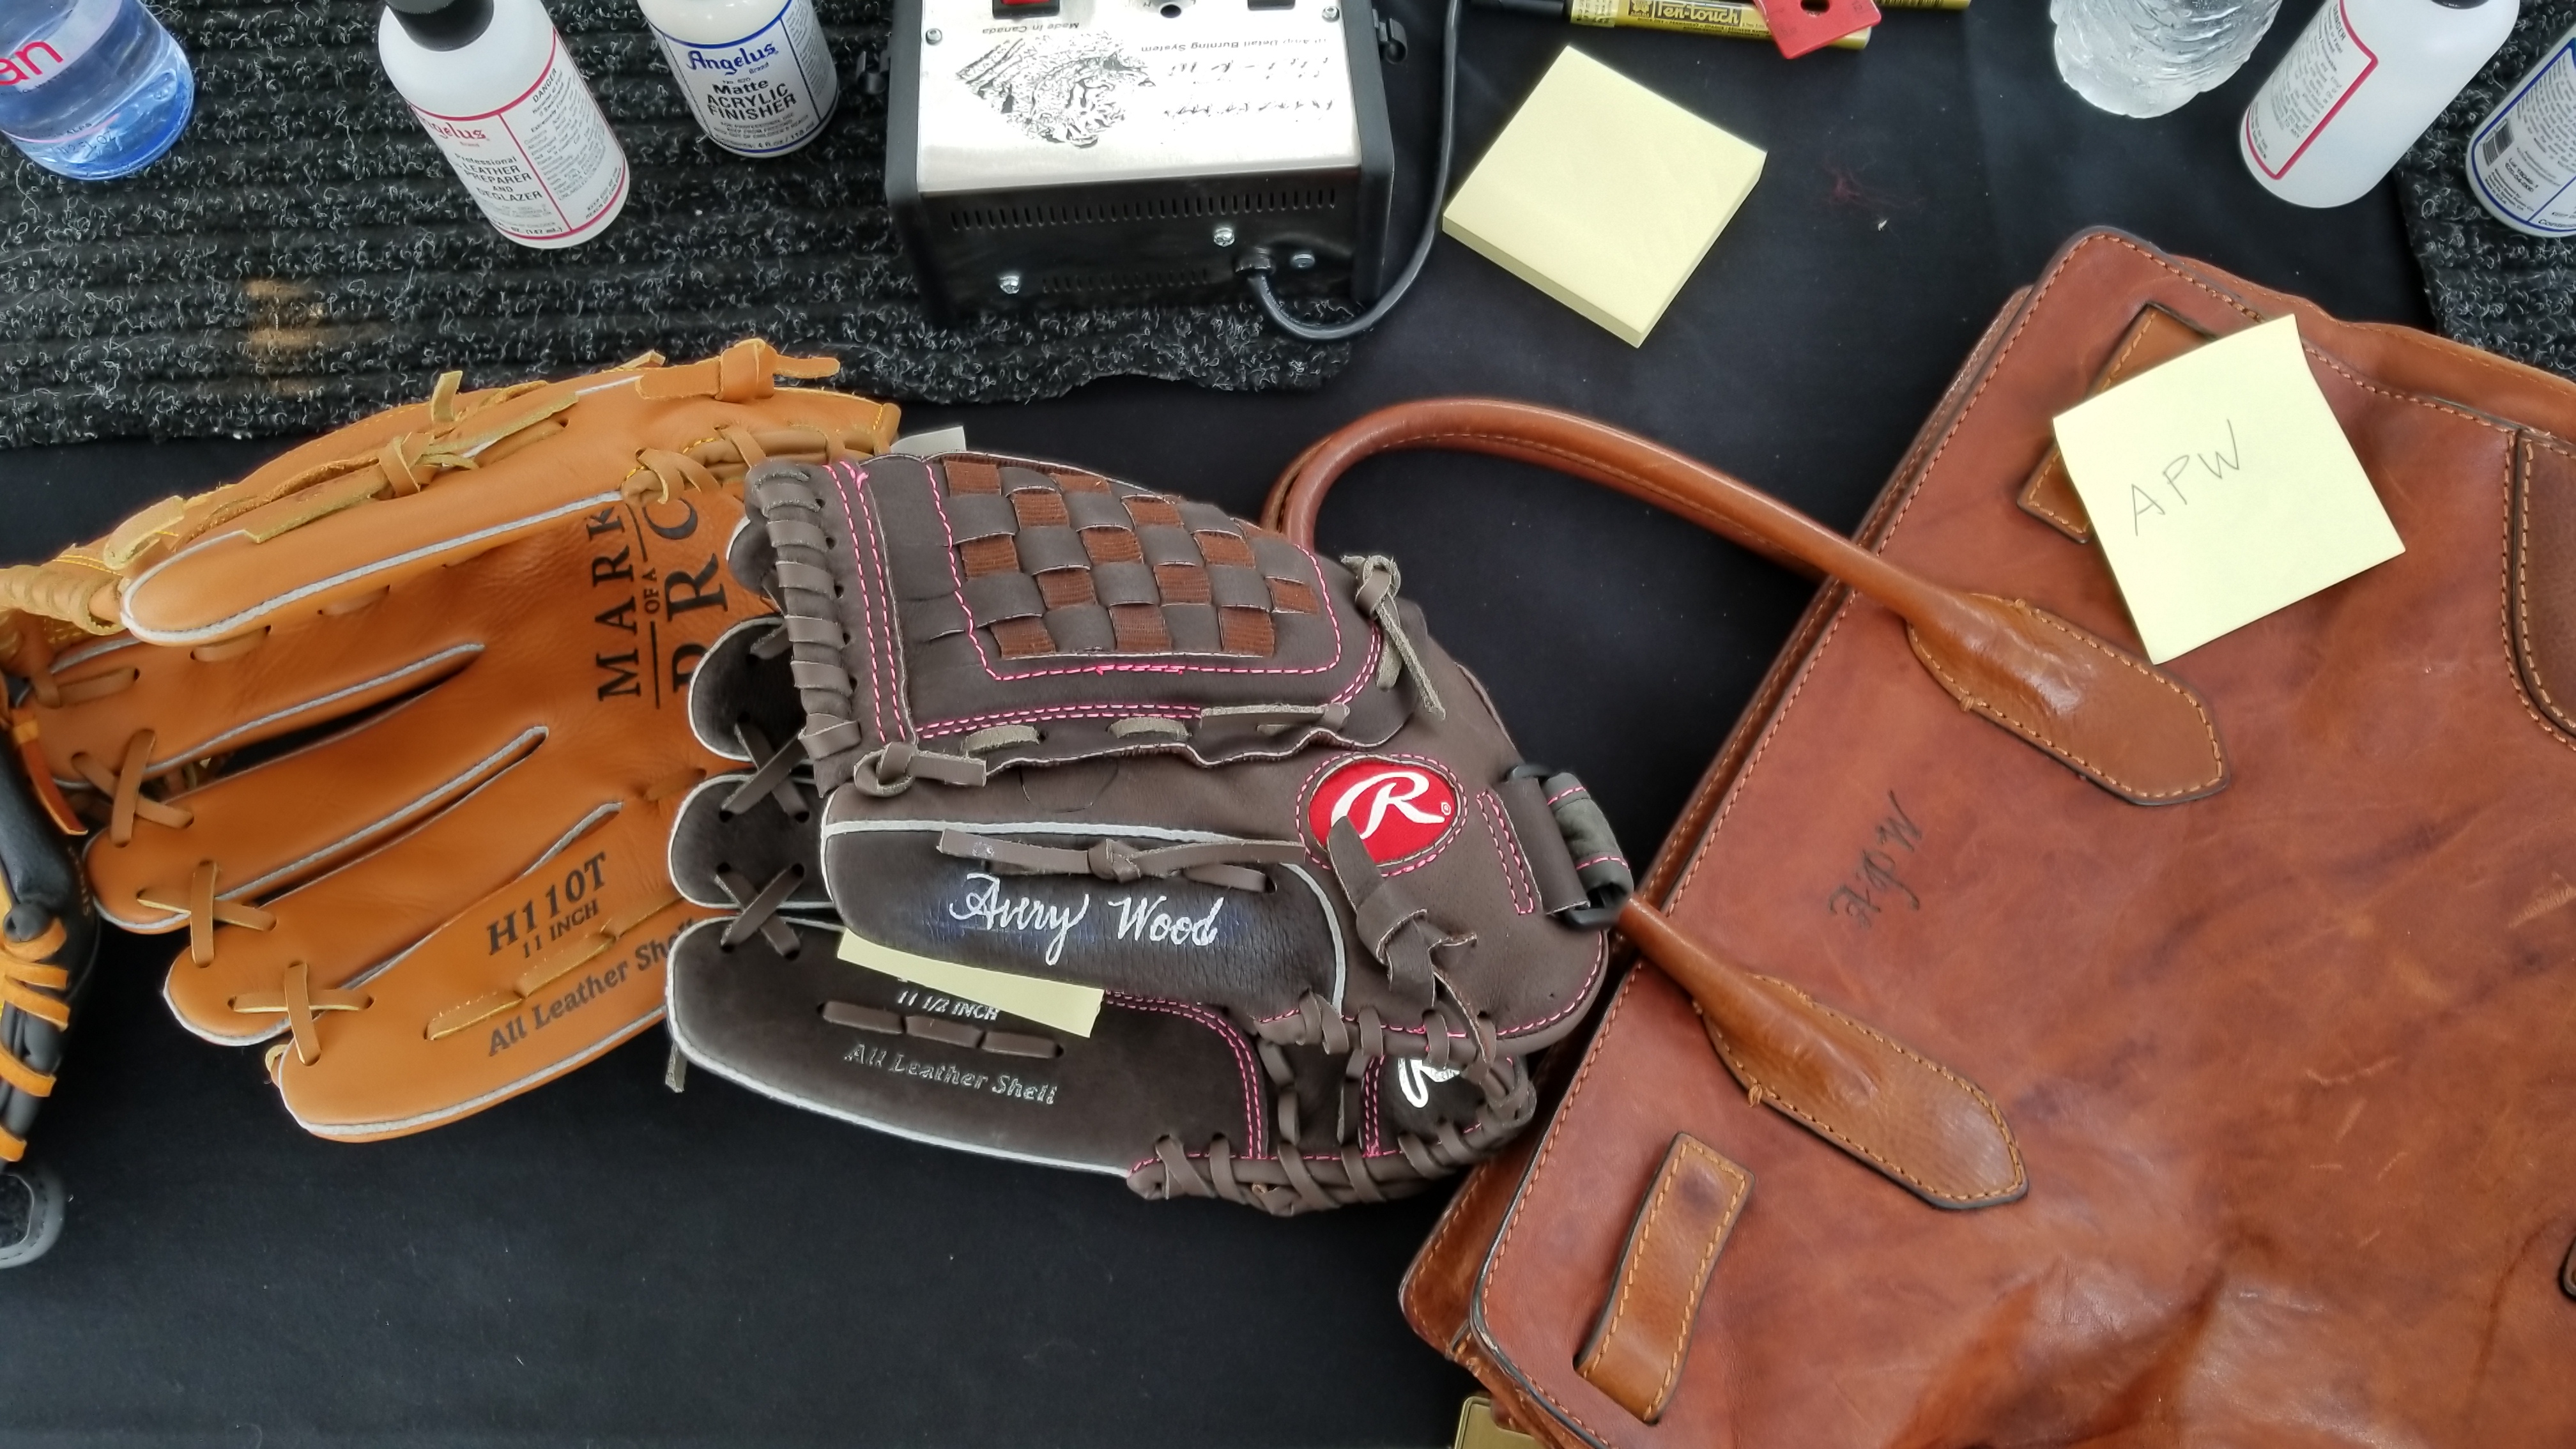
(600, 1261)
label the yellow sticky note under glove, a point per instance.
(1603, 195)
(2221, 488)
(1060, 1004)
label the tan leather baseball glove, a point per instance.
(391, 728)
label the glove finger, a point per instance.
(292, 818)
(736, 833)
(352, 921)
(821, 1033)
(522, 985)
(733, 843)
(416, 499)
(224, 697)
(742, 699)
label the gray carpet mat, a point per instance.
(2491, 286)
(304, 256)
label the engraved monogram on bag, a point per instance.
(1875, 882)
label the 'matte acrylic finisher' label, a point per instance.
(761, 94)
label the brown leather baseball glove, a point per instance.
(390, 729)
(1085, 825)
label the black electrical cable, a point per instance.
(1257, 272)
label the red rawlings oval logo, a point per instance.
(1401, 808)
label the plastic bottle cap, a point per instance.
(443, 24)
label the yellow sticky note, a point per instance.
(1603, 194)
(1059, 1004)
(2221, 488)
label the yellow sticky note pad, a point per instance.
(2221, 488)
(1603, 194)
(1059, 1004)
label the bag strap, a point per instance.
(2110, 716)
(1921, 1125)
(2114, 718)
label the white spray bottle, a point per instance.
(2358, 86)
(491, 82)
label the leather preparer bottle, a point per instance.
(491, 82)
(2358, 86)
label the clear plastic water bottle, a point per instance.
(91, 88)
(2146, 57)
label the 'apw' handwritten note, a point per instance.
(2221, 488)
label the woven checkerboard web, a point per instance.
(1068, 562)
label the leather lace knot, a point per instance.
(123, 787)
(297, 1000)
(203, 910)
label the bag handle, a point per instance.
(1919, 1123)
(2110, 716)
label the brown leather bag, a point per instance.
(2288, 1062)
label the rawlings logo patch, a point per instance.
(1403, 809)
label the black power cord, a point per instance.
(1257, 271)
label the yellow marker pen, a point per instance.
(1734, 19)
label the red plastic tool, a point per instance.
(1799, 26)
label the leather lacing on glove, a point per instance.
(28, 983)
(1455, 1038)
(84, 590)
(1222, 863)
(195, 900)
(496, 425)
(780, 775)
(297, 1000)
(300, 1002)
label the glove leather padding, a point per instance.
(754, 1016)
(1290, 969)
(451, 886)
